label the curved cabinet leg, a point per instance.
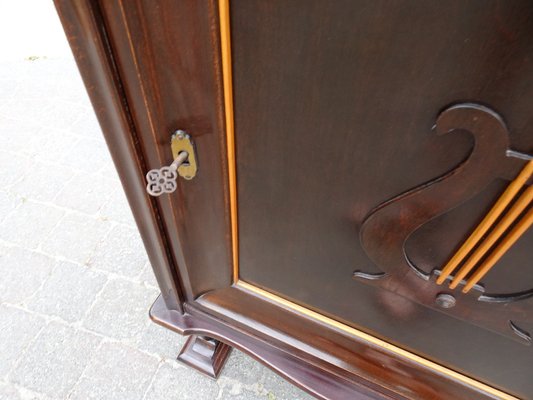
(205, 355)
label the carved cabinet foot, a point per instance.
(205, 355)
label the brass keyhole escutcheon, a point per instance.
(181, 142)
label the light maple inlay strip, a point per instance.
(487, 222)
(225, 48)
(501, 249)
(498, 231)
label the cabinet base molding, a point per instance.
(311, 378)
(275, 336)
(204, 354)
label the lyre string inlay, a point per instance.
(484, 245)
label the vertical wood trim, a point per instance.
(225, 45)
(84, 25)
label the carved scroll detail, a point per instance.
(386, 228)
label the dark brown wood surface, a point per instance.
(170, 79)
(204, 354)
(89, 40)
(326, 362)
(335, 104)
(168, 58)
(334, 110)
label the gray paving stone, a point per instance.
(89, 155)
(58, 78)
(30, 110)
(17, 136)
(51, 145)
(116, 372)
(17, 329)
(85, 192)
(61, 114)
(258, 380)
(55, 360)
(161, 341)
(8, 391)
(69, 292)
(110, 172)
(8, 203)
(148, 277)
(180, 383)
(42, 181)
(236, 390)
(14, 69)
(117, 208)
(121, 310)
(76, 237)
(88, 126)
(10, 87)
(39, 80)
(30, 225)
(122, 252)
(23, 272)
(12, 168)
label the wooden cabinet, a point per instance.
(359, 219)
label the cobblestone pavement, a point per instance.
(75, 283)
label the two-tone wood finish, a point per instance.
(340, 167)
(166, 67)
(153, 67)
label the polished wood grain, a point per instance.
(339, 120)
(206, 355)
(169, 59)
(153, 68)
(328, 363)
(371, 339)
(86, 31)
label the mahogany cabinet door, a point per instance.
(356, 151)
(347, 150)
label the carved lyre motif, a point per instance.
(499, 231)
(387, 228)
